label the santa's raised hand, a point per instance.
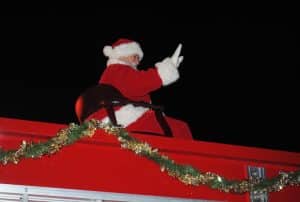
(168, 68)
(176, 58)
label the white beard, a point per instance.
(117, 61)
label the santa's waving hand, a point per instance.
(176, 58)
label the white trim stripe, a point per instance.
(10, 192)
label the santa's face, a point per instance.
(133, 60)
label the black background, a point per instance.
(238, 85)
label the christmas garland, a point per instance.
(185, 173)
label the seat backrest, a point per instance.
(90, 100)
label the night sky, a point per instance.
(238, 85)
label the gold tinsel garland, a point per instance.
(185, 173)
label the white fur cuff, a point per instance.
(167, 71)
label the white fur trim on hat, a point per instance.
(167, 71)
(123, 50)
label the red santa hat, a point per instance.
(123, 47)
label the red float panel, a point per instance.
(99, 164)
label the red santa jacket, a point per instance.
(133, 84)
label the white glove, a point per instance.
(168, 68)
(176, 58)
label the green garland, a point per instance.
(35, 150)
(185, 173)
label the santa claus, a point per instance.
(136, 85)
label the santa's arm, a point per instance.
(136, 83)
(140, 83)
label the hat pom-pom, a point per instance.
(107, 51)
